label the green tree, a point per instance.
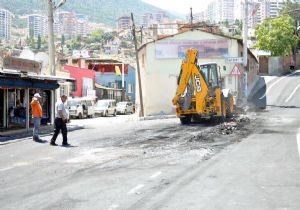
(277, 36)
(39, 42)
(293, 10)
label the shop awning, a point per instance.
(28, 83)
(106, 88)
(13, 78)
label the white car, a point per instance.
(124, 107)
(105, 108)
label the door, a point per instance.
(1, 108)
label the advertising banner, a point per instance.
(174, 49)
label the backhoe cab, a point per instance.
(199, 91)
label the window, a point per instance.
(130, 88)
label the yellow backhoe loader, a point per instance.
(199, 93)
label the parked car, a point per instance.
(125, 107)
(106, 107)
(81, 107)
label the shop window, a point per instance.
(130, 88)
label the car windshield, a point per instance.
(121, 104)
(102, 104)
(72, 103)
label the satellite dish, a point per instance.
(43, 58)
(27, 54)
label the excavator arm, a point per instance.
(190, 70)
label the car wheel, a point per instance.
(80, 116)
(106, 114)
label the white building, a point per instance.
(82, 27)
(5, 24)
(220, 11)
(37, 25)
(263, 9)
(124, 23)
(160, 62)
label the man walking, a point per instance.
(37, 114)
(60, 122)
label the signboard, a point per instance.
(91, 93)
(174, 49)
(236, 70)
(23, 65)
(234, 60)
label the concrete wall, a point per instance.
(276, 65)
(159, 76)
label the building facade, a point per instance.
(124, 23)
(220, 11)
(37, 25)
(160, 63)
(5, 24)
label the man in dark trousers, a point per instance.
(60, 122)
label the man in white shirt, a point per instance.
(60, 122)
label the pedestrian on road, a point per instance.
(60, 122)
(37, 114)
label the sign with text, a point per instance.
(234, 60)
(174, 49)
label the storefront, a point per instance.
(16, 91)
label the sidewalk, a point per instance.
(13, 136)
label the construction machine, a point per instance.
(199, 93)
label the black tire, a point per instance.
(115, 113)
(80, 116)
(229, 113)
(186, 120)
(106, 114)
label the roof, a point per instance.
(106, 88)
(217, 34)
(17, 73)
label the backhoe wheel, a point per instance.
(186, 120)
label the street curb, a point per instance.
(14, 138)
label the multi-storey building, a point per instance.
(160, 17)
(124, 22)
(82, 27)
(147, 20)
(68, 23)
(220, 11)
(262, 9)
(37, 25)
(5, 24)
(198, 17)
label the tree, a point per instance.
(293, 10)
(277, 36)
(62, 42)
(39, 42)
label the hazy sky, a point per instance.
(180, 6)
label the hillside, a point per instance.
(102, 11)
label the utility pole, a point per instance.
(141, 35)
(245, 50)
(245, 34)
(138, 67)
(191, 17)
(51, 46)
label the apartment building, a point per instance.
(5, 24)
(220, 11)
(37, 25)
(124, 23)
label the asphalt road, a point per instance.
(123, 163)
